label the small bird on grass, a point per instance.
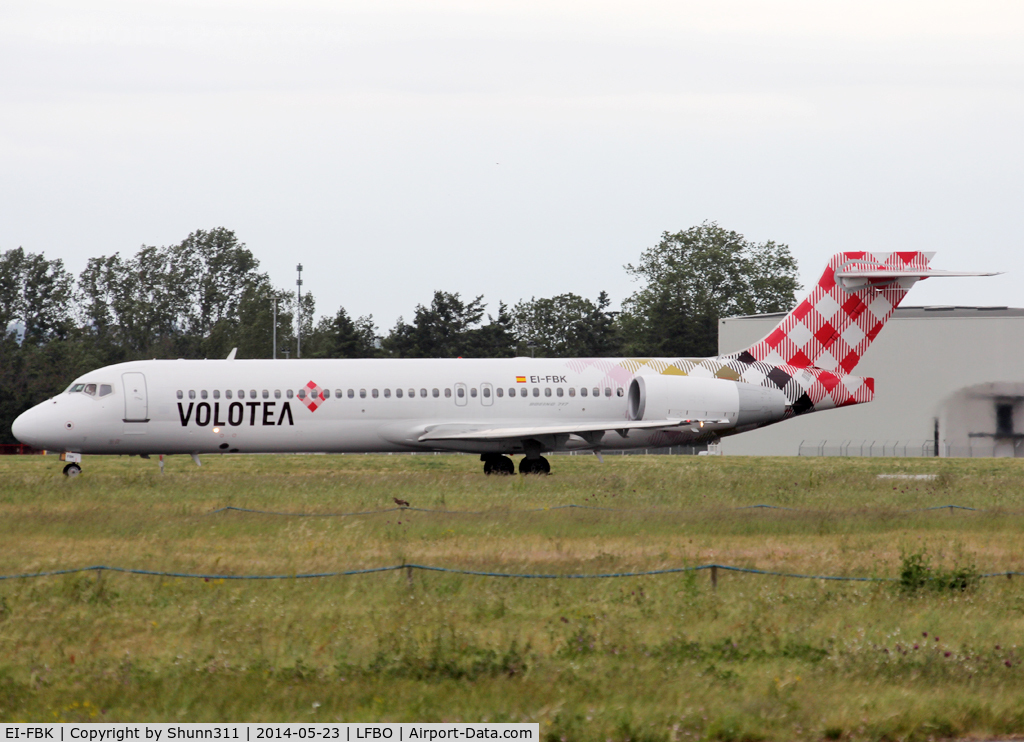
(401, 503)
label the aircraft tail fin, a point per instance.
(834, 325)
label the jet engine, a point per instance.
(664, 397)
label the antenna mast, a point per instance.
(298, 313)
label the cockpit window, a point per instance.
(76, 388)
(106, 389)
(90, 389)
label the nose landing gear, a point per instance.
(73, 467)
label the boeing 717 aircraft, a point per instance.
(496, 408)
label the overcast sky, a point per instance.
(515, 149)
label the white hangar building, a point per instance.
(949, 381)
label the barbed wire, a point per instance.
(469, 572)
(439, 511)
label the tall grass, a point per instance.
(654, 658)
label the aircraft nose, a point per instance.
(27, 428)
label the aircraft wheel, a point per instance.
(538, 465)
(72, 470)
(497, 464)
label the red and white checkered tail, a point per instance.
(833, 326)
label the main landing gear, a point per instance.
(495, 463)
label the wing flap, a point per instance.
(448, 432)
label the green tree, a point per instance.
(182, 300)
(566, 325)
(496, 339)
(35, 293)
(442, 330)
(694, 277)
(342, 337)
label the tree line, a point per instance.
(206, 295)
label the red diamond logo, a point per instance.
(314, 396)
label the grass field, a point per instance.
(648, 658)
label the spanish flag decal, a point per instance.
(520, 379)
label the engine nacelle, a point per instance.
(664, 397)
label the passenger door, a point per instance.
(136, 401)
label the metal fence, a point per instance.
(979, 448)
(868, 448)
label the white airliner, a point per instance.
(492, 407)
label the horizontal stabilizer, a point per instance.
(856, 278)
(450, 432)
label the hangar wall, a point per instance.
(923, 361)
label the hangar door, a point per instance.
(136, 403)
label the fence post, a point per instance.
(714, 576)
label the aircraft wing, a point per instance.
(461, 431)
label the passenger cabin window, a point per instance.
(436, 393)
(216, 393)
(423, 392)
(387, 393)
(522, 392)
(191, 394)
(597, 392)
(337, 393)
(351, 393)
(302, 394)
(252, 394)
(607, 391)
(620, 392)
(277, 394)
(461, 392)
(583, 391)
(447, 392)
(536, 391)
(572, 391)
(228, 394)
(560, 392)
(472, 392)
(326, 393)
(266, 394)
(241, 394)
(180, 395)
(203, 394)
(412, 393)
(547, 391)
(362, 394)
(289, 393)
(500, 392)
(375, 394)
(511, 391)
(399, 393)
